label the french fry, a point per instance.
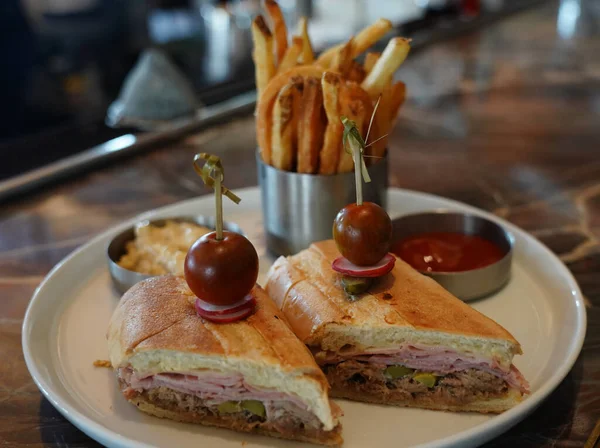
(392, 57)
(266, 100)
(356, 72)
(293, 52)
(328, 160)
(354, 91)
(283, 131)
(391, 100)
(370, 59)
(396, 95)
(300, 100)
(342, 59)
(308, 56)
(311, 126)
(298, 94)
(279, 28)
(356, 111)
(381, 123)
(362, 41)
(398, 98)
(263, 53)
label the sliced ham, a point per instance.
(440, 360)
(212, 387)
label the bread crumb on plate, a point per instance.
(102, 363)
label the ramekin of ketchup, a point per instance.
(447, 252)
(468, 255)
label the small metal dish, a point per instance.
(122, 278)
(466, 285)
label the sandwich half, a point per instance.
(253, 375)
(406, 342)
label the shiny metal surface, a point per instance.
(123, 279)
(299, 209)
(467, 285)
(125, 145)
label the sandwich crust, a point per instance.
(404, 306)
(159, 314)
(155, 329)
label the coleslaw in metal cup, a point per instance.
(123, 278)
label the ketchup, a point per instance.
(447, 252)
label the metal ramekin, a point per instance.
(299, 209)
(466, 285)
(123, 279)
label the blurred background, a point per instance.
(64, 61)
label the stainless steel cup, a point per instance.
(299, 209)
(466, 285)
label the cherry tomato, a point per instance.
(221, 272)
(363, 233)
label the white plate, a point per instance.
(64, 332)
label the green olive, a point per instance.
(254, 406)
(394, 372)
(356, 285)
(428, 379)
(229, 407)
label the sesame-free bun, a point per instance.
(155, 329)
(402, 307)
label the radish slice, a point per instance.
(226, 318)
(209, 309)
(344, 266)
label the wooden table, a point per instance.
(506, 119)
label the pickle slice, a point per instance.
(254, 406)
(229, 407)
(356, 285)
(394, 372)
(428, 379)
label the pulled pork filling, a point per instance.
(218, 395)
(440, 361)
(408, 385)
